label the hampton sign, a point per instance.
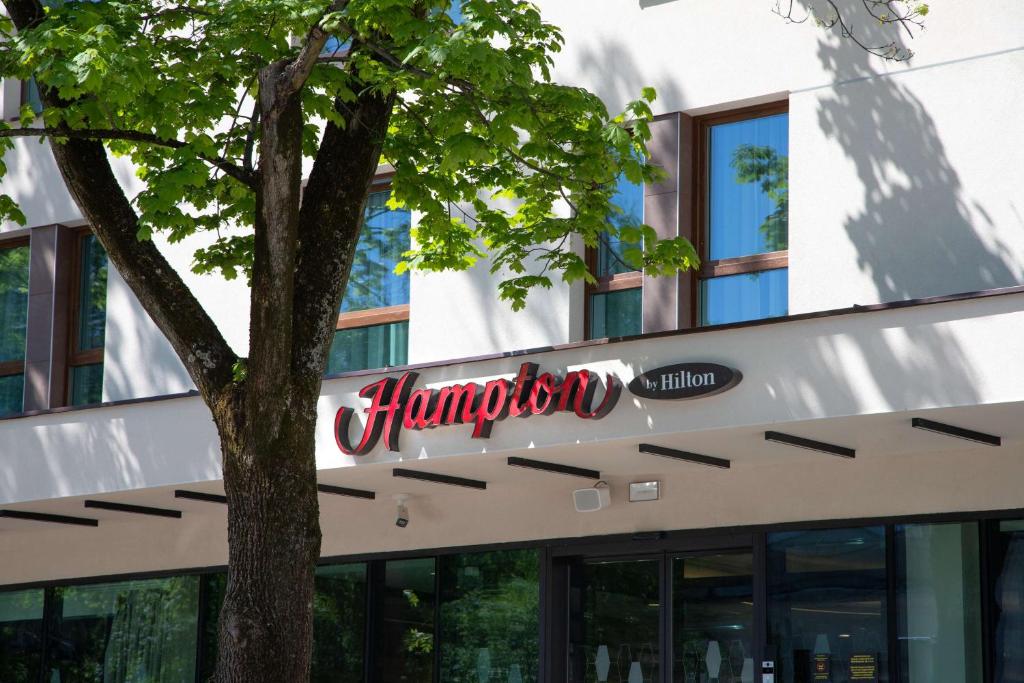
(685, 380)
(395, 405)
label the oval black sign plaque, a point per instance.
(685, 380)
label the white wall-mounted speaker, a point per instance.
(591, 500)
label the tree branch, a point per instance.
(240, 174)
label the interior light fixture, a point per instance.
(957, 432)
(810, 444)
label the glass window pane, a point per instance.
(30, 95)
(939, 593)
(826, 604)
(713, 617)
(13, 302)
(21, 636)
(1008, 567)
(92, 294)
(133, 631)
(749, 296)
(404, 639)
(12, 389)
(621, 608)
(372, 282)
(628, 201)
(489, 617)
(377, 346)
(616, 314)
(748, 187)
(86, 384)
(339, 624)
(215, 586)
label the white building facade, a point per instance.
(806, 457)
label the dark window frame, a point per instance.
(753, 263)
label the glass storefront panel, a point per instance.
(827, 605)
(1008, 569)
(339, 618)
(21, 636)
(490, 604)
(713, 618)
(939, 603)
(404, 636)
(621, 607)
(130, 632)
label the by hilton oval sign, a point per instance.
(685, 380)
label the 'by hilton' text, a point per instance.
(395, 405)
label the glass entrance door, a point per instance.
(686, 618)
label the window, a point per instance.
(743, 161)
(88, 322)
(14, 263)
(21, 636)
(30, 95)
(373, 325)
(827, 605)
(615, 303)
(404, 633)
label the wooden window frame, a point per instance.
(14, 367)
(76, 358)
(384, 315)
(753, 263)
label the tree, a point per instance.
(217, 104)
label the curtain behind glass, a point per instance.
(489, 617)
(748, 187)
(372, 282)
(131, 632)
(21, 636)
(13, 302)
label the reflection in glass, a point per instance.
(1008, 567)
(621, 605)
(13, 303)
(748, 187)
(628, 205)
(616, 314)
(404, 637)
(12, 389)
(712, 617)
(749, 296)
(130, 632)
(92, 294)
(377, 346)
(86, 384)
(21, 636)
(372, 282)
(339, 617)
(939, 608)
(826, 603)
(489, 617)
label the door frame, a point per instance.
(560, 560)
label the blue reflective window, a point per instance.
(749, 296)
(617, 313)
(746, 214)
(13, 322)
(748, 184)
(85, 375)
(372, 283)
(628, 209)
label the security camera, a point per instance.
(402, 520)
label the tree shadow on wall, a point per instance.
(917, 235)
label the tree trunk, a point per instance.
(266, 622)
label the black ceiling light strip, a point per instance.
(810, 444)
(198, 495)
(46, 517)
(554, 467)
(439, 478)
(134, 509)
(343, 491)
(958, 432)
(686, 456)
